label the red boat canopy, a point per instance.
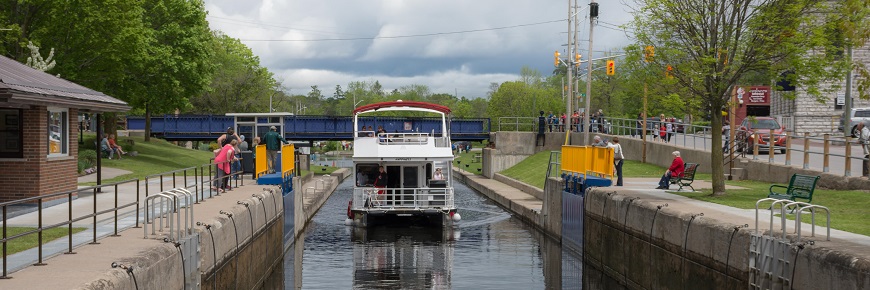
(398, 104)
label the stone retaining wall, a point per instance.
(647, 247)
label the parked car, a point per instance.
(857, 115)
(757, 129)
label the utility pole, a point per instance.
(593, 13)
(568, 72)
(576, 66)
(847, 109)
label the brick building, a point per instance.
(805, 114)
(39, 129)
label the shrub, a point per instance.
(213, 146)
(204, 147)
(82, 165)
(89, 156)
(127, 145)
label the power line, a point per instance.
(407, 36)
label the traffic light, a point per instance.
(668, 72)
(556, 58)
(611, 68)
(577, 60)
(649, 52)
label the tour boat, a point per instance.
(407, 155)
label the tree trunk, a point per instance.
(147, 123)
(716, 157)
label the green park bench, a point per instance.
(687, 178)
(800, 186)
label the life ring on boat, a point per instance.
(349, 205)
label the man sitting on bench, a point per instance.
(676, 169)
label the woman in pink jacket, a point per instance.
(227, 153)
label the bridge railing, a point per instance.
(521, 124)
(814, 153)
(196, 127)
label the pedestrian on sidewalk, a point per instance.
(617, 158)
(273, 145)
(222, 159)
(864, 140)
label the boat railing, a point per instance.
(402, 198)
(403, 138)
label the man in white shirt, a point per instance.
(864, 140)
(617, 158)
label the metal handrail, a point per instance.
(70, 220)
(183, 193)
(813, 220)
(403, 138)
(396, 198)
(504, 123)
(699, 138)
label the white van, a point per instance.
(857, 115)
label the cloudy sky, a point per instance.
(449, 45)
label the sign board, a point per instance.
(754, 95)
(841, 99)
(407, 126)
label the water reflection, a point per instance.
(403, 258)
(489, 249)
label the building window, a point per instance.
(58, 132)
(10, 133)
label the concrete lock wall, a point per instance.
(247, 246)
(226, 262)
(644, 247)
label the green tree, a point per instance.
(238, 83)
(176, 64)
(712, 44)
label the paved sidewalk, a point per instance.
(93, 260)
(107, 173)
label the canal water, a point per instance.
(489, 249)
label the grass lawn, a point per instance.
(848, 207)
(317, 169)
(532, 170)
(155, 156)
(32, 240)
(464, 161)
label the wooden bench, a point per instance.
(801, 186)
(687, 178)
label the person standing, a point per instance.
(617, 158)
(225, 139)
(224, 157)
(864, 140)
(676, 169)
(670, 130)
(273, 145)
(551, 120)
(380, 182)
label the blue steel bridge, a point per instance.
(301, 128)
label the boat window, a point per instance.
(409, 177)
(366, 174)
